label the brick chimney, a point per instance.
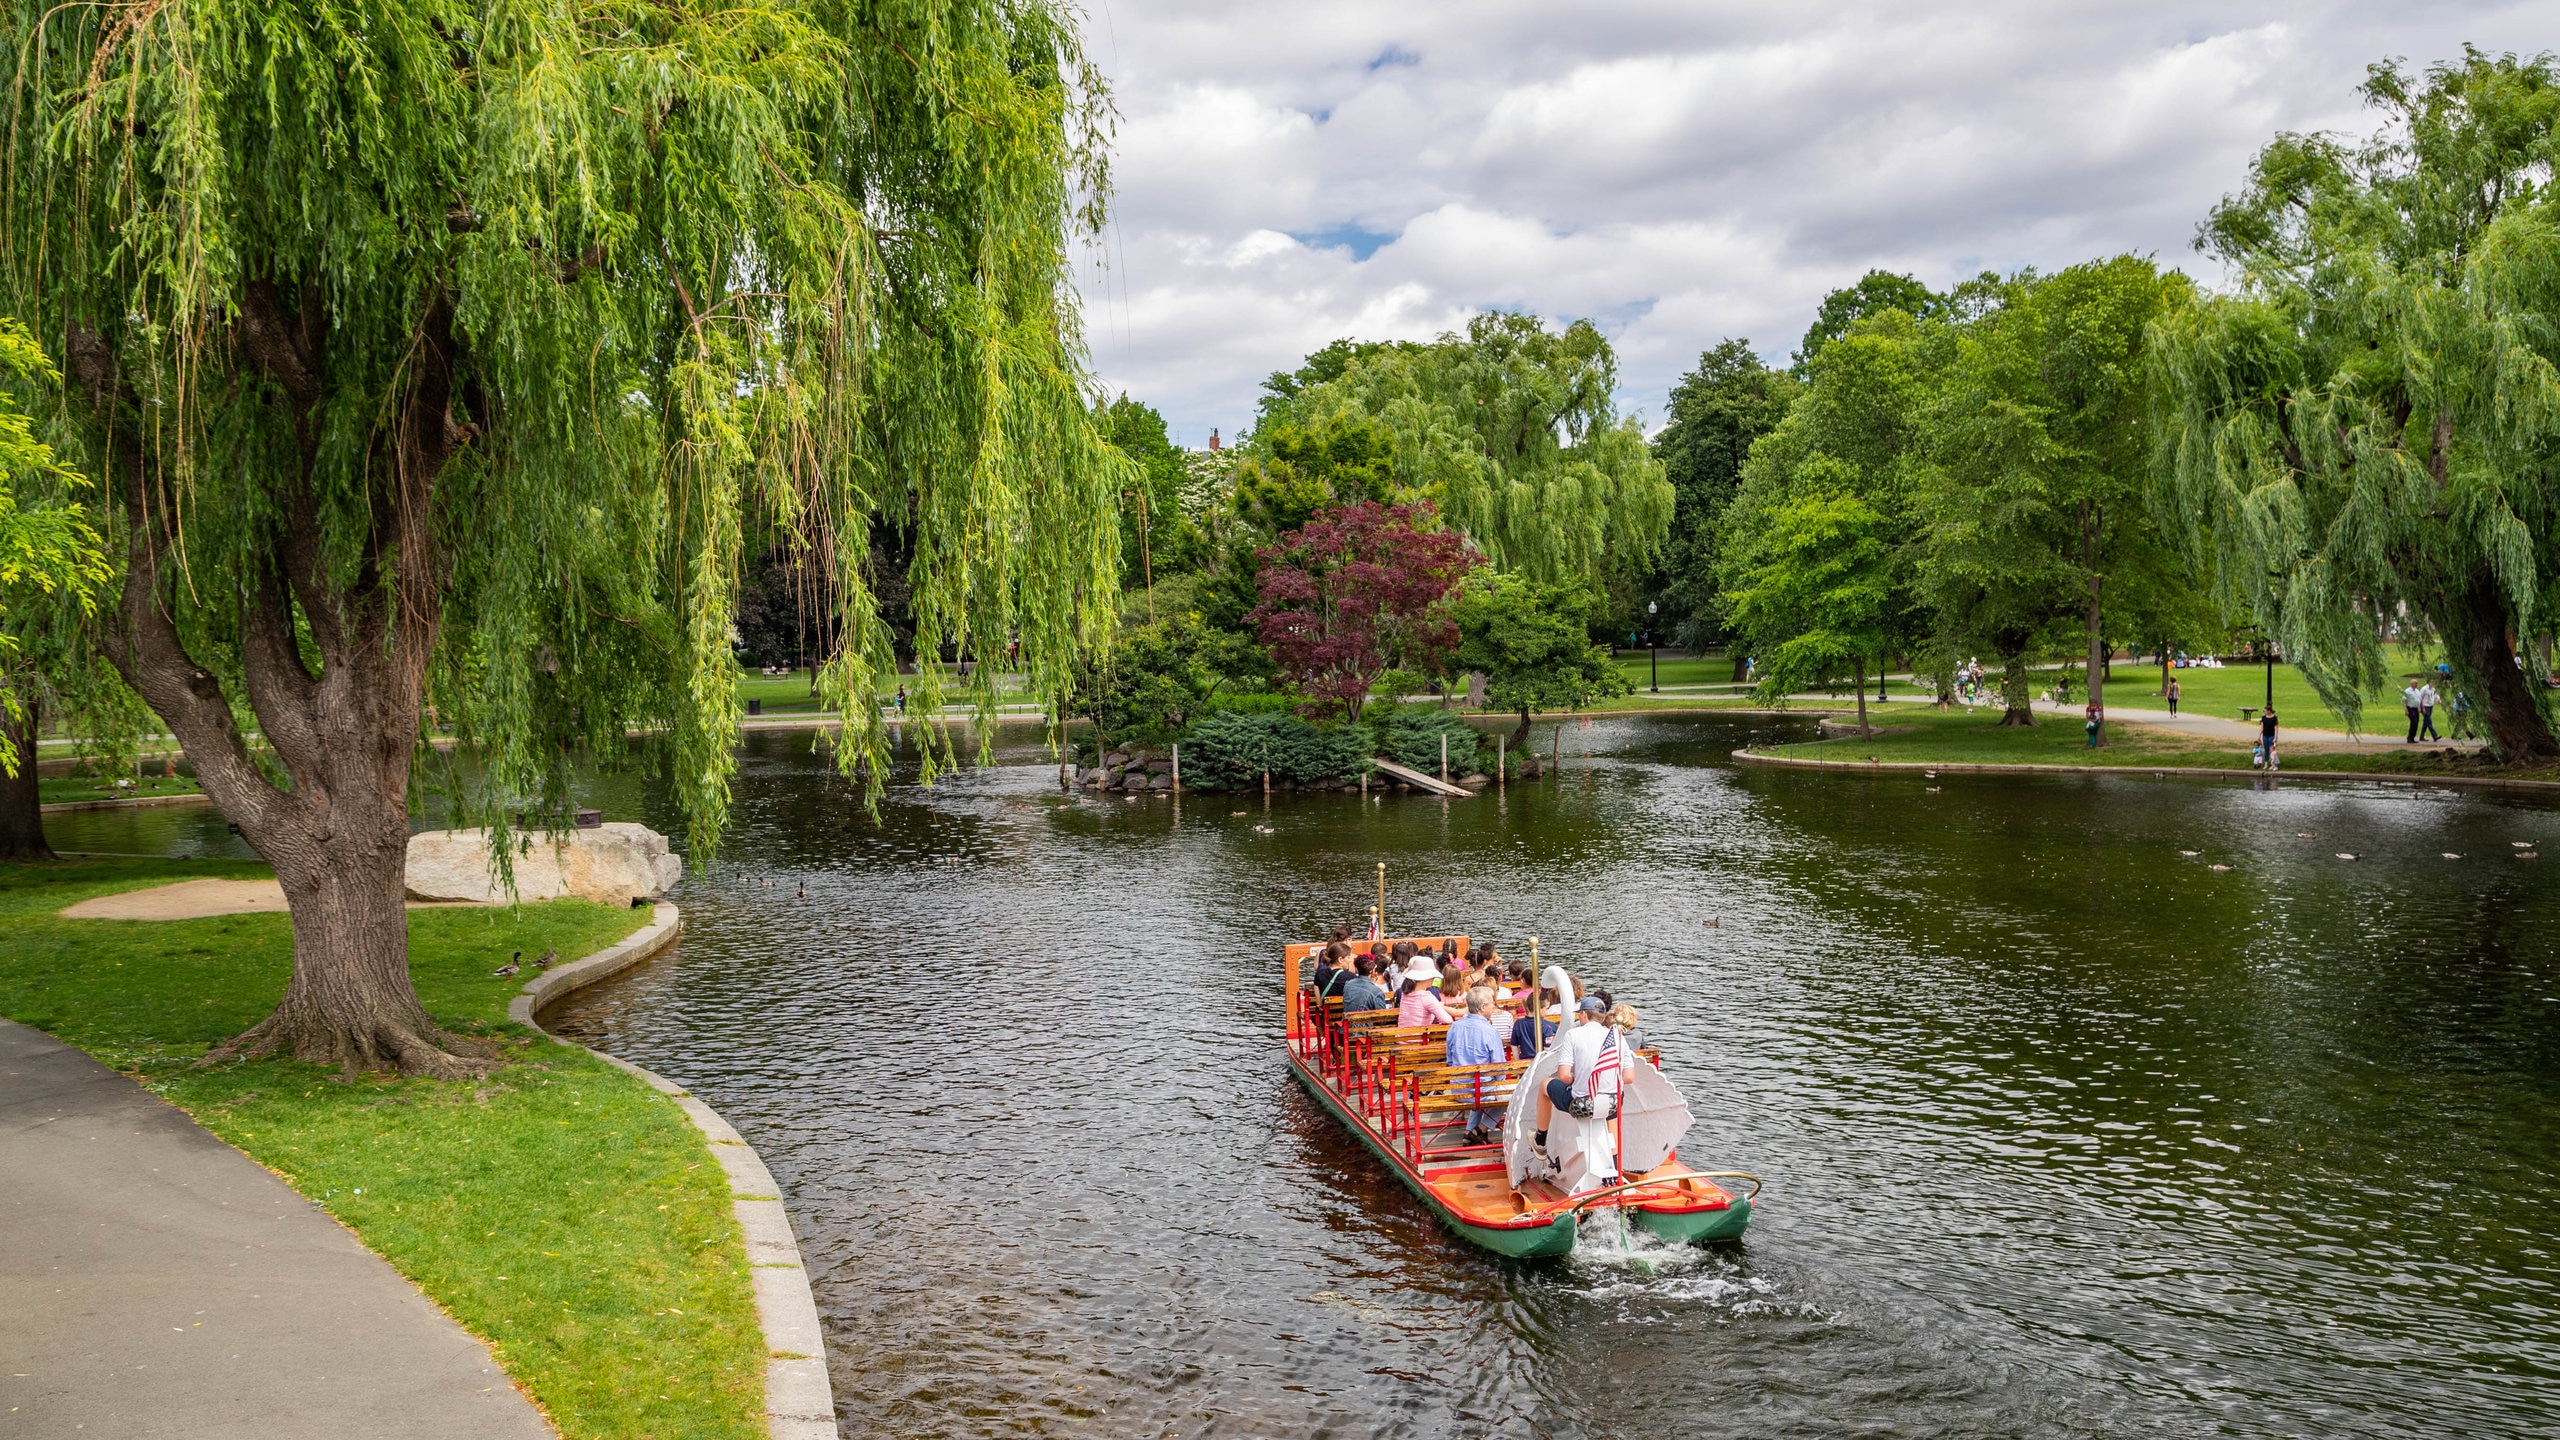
(1213, 441)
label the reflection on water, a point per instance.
(2065, 1133)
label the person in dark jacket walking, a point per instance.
(2267, 738)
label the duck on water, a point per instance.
(1611, 1140)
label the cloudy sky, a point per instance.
(1291, 172)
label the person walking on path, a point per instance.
(2409, 707)
(2173, 697)
(2267, 738)
(2427, 711)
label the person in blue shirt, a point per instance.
(1474, 1041)
(1362, 991)
(1527, 1042)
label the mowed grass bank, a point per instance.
(560, 1209)
(1926, 736)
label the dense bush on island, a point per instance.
(1234, 750)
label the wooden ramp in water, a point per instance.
(1418, 780)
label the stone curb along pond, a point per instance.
(799, 1402)
(1965, 767)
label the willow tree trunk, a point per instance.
(336, 828)
(21, 804)
(2511, 700)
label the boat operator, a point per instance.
(1588, 1071)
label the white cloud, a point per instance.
(1679, 172)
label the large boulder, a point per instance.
(618, 864)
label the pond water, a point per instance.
(2065, 1133)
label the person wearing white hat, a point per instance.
(1422, 1004)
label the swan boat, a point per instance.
(1386, 1084)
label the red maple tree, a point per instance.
(1356, 591)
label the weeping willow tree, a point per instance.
(1512, 430)
(439, 359)
(2370, 428)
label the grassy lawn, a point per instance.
(560, 1209)
(1678, 668)
(2222, 693)
(789, 694)
(1930, 737)
(66, 788)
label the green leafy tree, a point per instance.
(2372, 423)
(1510, 429)
(1876, 292)
(1289, 474)
(51, 570)
(1532, 643)
(1817, 597)
(1717, 411)
(432, 355)
(1161, 676)
(2035, 494)
(1155, 538)
(1854, 431)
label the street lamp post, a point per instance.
(1653, 643)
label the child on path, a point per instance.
(2173, 697)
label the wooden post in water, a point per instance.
(1444, 757)
(1177, 769)
(1266, 787)
(1382, 899)
(1501, 761)
(1559, 760)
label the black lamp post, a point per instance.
(1653, 643)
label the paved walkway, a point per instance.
(156, 1282)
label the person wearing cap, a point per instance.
(1582, 1075)
(1422, 1004)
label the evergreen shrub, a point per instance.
(1230, 752)
(1412, 737)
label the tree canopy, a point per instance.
(1511, 430)
(1876, 292)
(1355, 591)
(2370, 422)
(1717, 411)
(2033, 494)
(446, 354)
(1532, 643)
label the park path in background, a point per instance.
(156, 1282)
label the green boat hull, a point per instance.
(1697, 1227)
(1526, 1242)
